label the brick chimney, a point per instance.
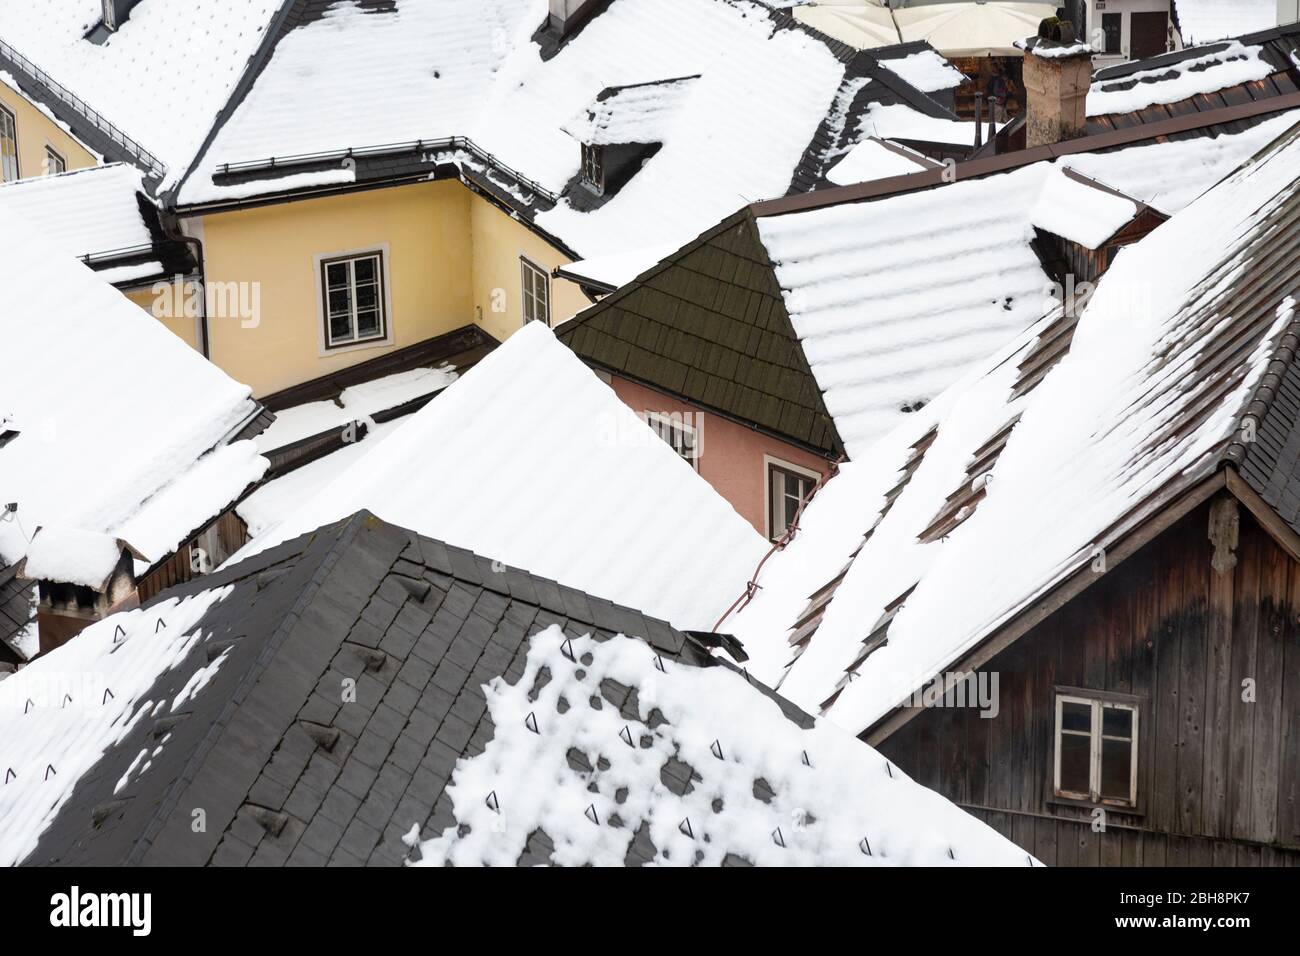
(81, 577)
(1057, 75)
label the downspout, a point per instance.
(172, 231)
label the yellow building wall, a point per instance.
(499, 241)
(424, 230)
(35, 132)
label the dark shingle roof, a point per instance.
(283, 769)
(15, 611)
(710, 325)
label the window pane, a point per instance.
(365, 269)
(367, 296)
(367, 323)
(1116, 768)
(1076, 759)
(340, 301)
(8, 147)
(337, 274)
(1116, 722)
(1076, 717)
(340, 327)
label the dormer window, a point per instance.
(593, 168)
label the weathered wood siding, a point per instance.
(1218, 777)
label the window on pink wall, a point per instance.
(787, 487)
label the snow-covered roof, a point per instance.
(83, 213)
(718, 776)
(926, 70)
(1001, 488)
(644, 748)
(1080, 210)
(425, 72)
(894, 299)
(121, 428)
(161, 78)
(1203, 21)
(616, 269)
(531, 458)
(897, 121)
(1216, 69)
(638, 113)
(876, 159)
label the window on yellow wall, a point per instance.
(354, 299)
(8, 146)
(54, 163)
(537, 293)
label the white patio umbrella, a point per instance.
(973, 29)
(862, 24)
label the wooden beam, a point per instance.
(1261, 511)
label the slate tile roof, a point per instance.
(350, 666)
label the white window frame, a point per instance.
(770, 462)
(110, 14)
(1098, 704)
(533, 303)
(52, 154)
(671, 424)
(325, 345)
(7, 114)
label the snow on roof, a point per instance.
(1077, 209)
(1092, 449)
(895, 299)
(1202, 21)
(1216, 69)
(162, 77)
(60, 713)
(638, 113)
(926, 70)
(113, 410)
(897, 121)
(470, 68)
(86, 212)
(874, 159)
(71, 556)
(721, 776)
(619, 268)
(532, 459)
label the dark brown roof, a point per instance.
(710, 325)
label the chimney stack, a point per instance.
(1057, 75)
(81, 577)
(568, 15)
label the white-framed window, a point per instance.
(787, 487)
(1096, 747)
(672, 428)
(54, 163)
(593, 167)
(8, 145)
(537, 292)
(353, 299)
(110, 14)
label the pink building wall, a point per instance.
(733, 458)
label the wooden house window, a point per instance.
(787, 488)
(537, 293)
(593, 167)
(54, 163)
(8, 146)
(354, 299)
(682, 437)
(1096, 750)
(1112, 28)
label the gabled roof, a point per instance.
(1252, 68)
(826, 319)
(344, 698)
(1187, 346)
(121, 428)
(147, 94)
(463, 87)
(530, 457)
